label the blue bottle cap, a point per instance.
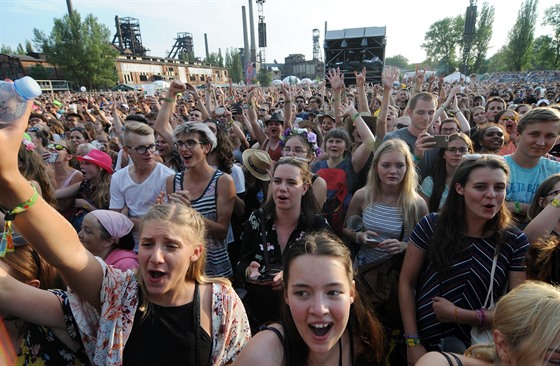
(27, 88)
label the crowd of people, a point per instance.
(323, 224)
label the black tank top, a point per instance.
(169, 336)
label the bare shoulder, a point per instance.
(437, 359)
(422, 206)
(266, 339)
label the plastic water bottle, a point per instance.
(14, 97)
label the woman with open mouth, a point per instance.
(123, 315)
(290, 212)
(508, 119)
(323, 322)
(489, 139)
(460, 261)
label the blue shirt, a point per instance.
(523, 182)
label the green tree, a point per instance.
(481, 39)
(498, 62)
(215, 59)
(6, 50)
(520, 37)
(20, 50)
(82, 50)
(264, 77)
(39, 72)
(542, 55)
(441, 41)
(552, 18)
(28, 47)
(398, 61)
(233, 64)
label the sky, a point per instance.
(289, 22)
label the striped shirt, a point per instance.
(387, 221)
(467, 281)
(217, 259)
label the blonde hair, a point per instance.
(137, 128)
(190, 226)
(408, 196)
(528, 318)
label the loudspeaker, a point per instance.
(262, 34)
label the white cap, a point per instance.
(27, 88)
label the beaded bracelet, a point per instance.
(6, 243)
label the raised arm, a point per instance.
(337, 85)
(48, 232)
(362, 153)
(361, 86)
(390, 75)
(287, 106)
(163, 125)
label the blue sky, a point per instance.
(289, 22)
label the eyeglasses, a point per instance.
(449, 130)
(79, 129)
(455, 150)
(57, 147)
(296, 150)
(189, 144)
(300, 101)
(494, 133)
(553, 193)
(141, 150)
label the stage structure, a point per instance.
(355, 48)
(128, 39)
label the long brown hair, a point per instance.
(32, 167)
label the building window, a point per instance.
(143, 78)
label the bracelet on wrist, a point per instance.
(517, 207)
(555, 202)
(6, 243)
(412, 340)
(168, 100)
(355, 117)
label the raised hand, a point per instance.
(336, 79)
(360, 77)
(390, 75)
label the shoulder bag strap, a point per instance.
(490, 295)
(196, 313)
(263, 236)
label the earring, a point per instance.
(499, 355)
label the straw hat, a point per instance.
(257, 162)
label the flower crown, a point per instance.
(310, 137)
(29, 146)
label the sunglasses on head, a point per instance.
(401, 125)
(57, 147)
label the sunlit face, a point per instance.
(295, 146)
(319, 295)
(327, 124)
(492, 109)
(165, 255)
(391, 168)
(448, 128)
(288, 187)
(335, 147)
(537, 139)
(274, 128)
(493, 138)
(90, 236)
(454, 153)
(484, 193)
(90, 171)
(479, 116)
(522, 109)
(133, 141)
(421, 115)
(195, 116)
(509, 120)
(193, 156)
(76, 138)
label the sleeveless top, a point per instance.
(217, 259)
(275, 154)
(169, 336)
(287, 352)
(387, 221)
(69, 179)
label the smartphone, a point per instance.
(219, 110)
(371, 241)
(441, 141)
(52, 158)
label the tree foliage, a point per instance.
(39, 72)
(215, 59)
(7, 50)
(552, 18)
(481, 39)
(398, 61)
(82, 50)
(233, 64)
(542, 54)
(441, 42)
(520, 37)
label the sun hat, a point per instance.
(98, 158)
(257, 162)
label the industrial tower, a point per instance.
(316, 45)
(129, 37)
(183, 47)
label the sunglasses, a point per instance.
(57, 147)
(492, 134)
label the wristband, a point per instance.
(555, 202)
(411, 340)
(168, 100)
(85, 206)
(355, 117)
(517, 208)
(6, 243)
